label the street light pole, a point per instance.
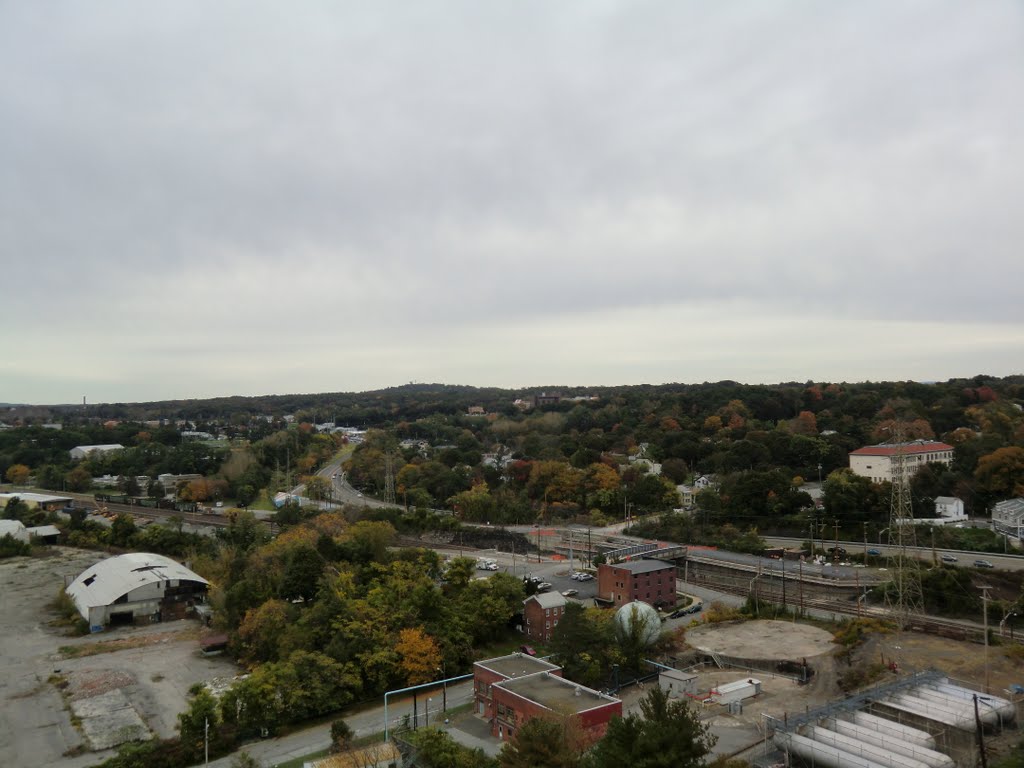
(444, 683)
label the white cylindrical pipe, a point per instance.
(931, 757)
(868, 751)
(890, 728)
(928, 710)
(820, 754)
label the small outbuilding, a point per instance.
(676, 683)
(137, 588)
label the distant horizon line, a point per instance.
(538, 387)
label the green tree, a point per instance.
(122, 530)
(557, 742)
(666, 735)
(79, 479)
(341, 735)
(192, 723)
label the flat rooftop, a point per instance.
(517, 665)
(644, 566)
(556, 693)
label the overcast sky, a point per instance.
(217, 198)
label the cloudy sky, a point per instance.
(216, 198)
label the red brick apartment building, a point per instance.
(652, 581)
(489, 672)
(541, 614)
(546, 694)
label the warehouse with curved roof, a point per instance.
(137, 588)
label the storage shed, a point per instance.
(739, 690)
(137, 588)
(677, 683)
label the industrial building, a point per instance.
(546, 694)
(137, 588)
(80, 452)
(489, 672)
(650, 581)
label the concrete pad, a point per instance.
(109, 719)
(772, 640)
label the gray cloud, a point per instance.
(228, 182)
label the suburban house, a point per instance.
(1008, 517)
(687, 495)
(490, 672)
(546, 398)
(876, 462)
(649, 581)
(541, 613)
(547, 694)
(949, 507)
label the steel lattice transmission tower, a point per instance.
(903, 598)
(389, 478)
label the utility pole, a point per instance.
(801, 587)
(865, 542)
(206, 741)
(835, 552)
(572, 534)
(984, 607)
(981, 734)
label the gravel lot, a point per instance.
(131, 691)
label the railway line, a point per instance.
(956, 629)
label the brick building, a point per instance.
(489, 672)
(546, 694)
(650, 581)
(541, 614)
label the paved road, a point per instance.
(365, 722)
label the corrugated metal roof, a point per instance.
(103, 583)
(13, 528)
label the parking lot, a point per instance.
(135, 691)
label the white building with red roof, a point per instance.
(876, 462)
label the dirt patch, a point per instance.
(86, 684)
(913, 652)
(124, 643)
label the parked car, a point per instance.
(874, 552)
(586, 577)
(678, 613)
(695, 608)
(570, 593)
(983, 564)
(948, 559)
(544, 586)
(528, 650)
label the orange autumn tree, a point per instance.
(420, 656)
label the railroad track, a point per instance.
(954, 629)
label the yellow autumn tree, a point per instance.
(18, 474)
(420, 656)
